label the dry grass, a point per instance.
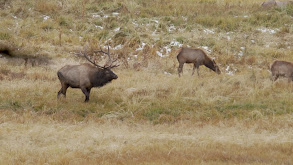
(148, 115)
(33, 139)
(152, 95)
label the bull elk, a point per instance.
(86, 76)
(197, 57)
(283, 69)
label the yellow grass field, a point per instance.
(33, 139)
(148, 115)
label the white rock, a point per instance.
(118, 47)
(266, 30)
(141, 47)
(96, 16)
(167, 73)
(46, 18)
(176, 43)
(161, 54)
(208, 31)
(99, 27)
(172, 28)
(206, 48)
(117, 29)
(240, 54)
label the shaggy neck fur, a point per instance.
(101, 78)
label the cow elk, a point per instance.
(86, 76)
(197, 57)
(274, 3)
(282, 69)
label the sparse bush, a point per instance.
(284, 30)
(120, 38)
(223, 23)
(47, 25)
(289, 10)
(4, 71)
(28, 34)
(63, 21)
(47, 7)
(181, 39)
(4, 36)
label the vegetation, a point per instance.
(149, 114)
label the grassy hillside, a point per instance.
(226, 28)
(242, 37)
(38, 37)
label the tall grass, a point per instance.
(113, 142)
(148, 95)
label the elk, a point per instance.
(197, 57)
(269, 4)
(283, 69)
(86, 76)
(273, 3)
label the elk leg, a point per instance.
(86, 92)
(180, 68)
(65, 86)
(63, 90)
(89, 91)
(59, 93)
(194, 66)
(197, 68)
(275, 77)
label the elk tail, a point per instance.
(60, 76)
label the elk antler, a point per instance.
(110, 60)
(84, 54)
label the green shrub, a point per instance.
(103, 34)
(4, 36)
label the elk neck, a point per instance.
(100, 78)
(209, 63)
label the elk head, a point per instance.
(216, 67)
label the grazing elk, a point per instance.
(197, 57)
(274, 3)
(86, 76)
(283, 69)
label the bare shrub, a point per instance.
(47, 7)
